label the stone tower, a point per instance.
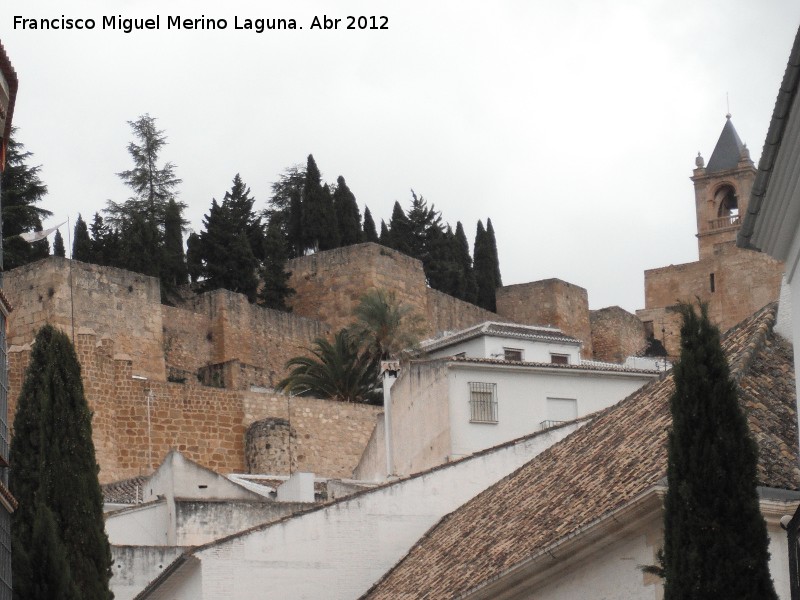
(722, 190)
(734, 282)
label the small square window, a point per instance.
(512, 354)
(559, 359)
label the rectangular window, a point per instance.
(482, 402)
(558, 411)
(512, 354)
(712, 283)
(559, 359)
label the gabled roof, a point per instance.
(609, 464)
(508, 330)
(126, 491)
(728, 151)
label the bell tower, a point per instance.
(722, 190)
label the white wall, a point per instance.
(136, 566)
(340, 550)
(142, 525)
(491, 346)
(522, 394)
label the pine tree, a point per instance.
(285, 208)
(492, 244)
(348, 217)
(99, 234)
(276, 288)
(81, 243)
(715, 539)
(370, 233)
(58, 245)
(55, 466)
(22, 189)
(484, 270)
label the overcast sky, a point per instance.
(573, 124)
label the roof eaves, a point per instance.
(772, 144)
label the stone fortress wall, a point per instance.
(190, 369)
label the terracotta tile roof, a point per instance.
(127, 491)
(610, 462)
(11, 77)
(510, 330)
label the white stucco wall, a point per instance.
(492, 346)
(142, 525)
(136, 566)
(340, 550)
(522, 394)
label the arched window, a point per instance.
(727, 201)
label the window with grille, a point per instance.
(512, 354)
(559, 359)
(482, 402)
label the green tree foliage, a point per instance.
(319, 228)
(715, 539)
(491, 242)
(58, 245)
(105, 242)
(370, 234)
(141, 219)
(485, 270)
(461, 255)
(53, 580)
(194, 256)
(55, 467)
(399, 232)
(340, 371)
(174, 270)
(385, 238)
(81, 242)
(275, 289)
(22, 189)
(386, 326)
(285, 208)
(348, 216)
(228, 261)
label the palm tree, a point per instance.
(389, 328)
(338, 370)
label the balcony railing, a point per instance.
(724, 222)
(549, 423)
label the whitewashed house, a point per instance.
(484, 386)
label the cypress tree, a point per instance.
(174, 272)
(484, 270)
(715, 539)
(384, 240)
(139, 246)
(464, 260)
(285, 208)
(81, 243)
(53, 580)
(276, 288)
(347, 215)
(194, 257)
(320, 230)
(58, 245)
(399, 232)
(491, 242)
(370, 233)
(55, 466)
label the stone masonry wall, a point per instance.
(616, 334)
(112, 302)
(206, 424)
(549, 302)
(744, 281)
(329, 286)
(222, 327)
